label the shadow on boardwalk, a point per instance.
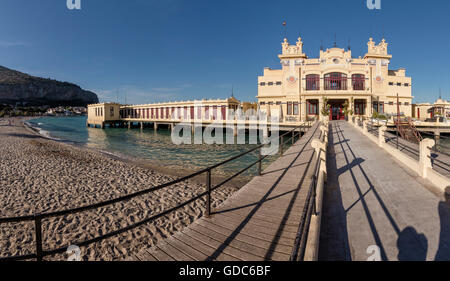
(258, 222)
(349, 185)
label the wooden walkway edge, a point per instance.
(258, 222)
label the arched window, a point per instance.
(335, 81)
(358, 81)
(312, 82)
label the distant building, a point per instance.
(297, 91)
(162, 113)
(423, 111)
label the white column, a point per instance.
(381, 135)
(425, 156)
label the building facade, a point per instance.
(163, 113)
(300, 89)
(424, 111)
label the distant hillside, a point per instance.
(16, 87)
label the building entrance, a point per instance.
(337, 109)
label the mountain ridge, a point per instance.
(18, 87)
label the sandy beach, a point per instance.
(39, 175)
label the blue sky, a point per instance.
(157, 50)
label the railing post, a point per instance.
(364, 123)
(437, 136)
(396, 131)
(208, 195)
(381, 135)
(425, 156)
(281, 145)
(259, 163)
(314, 179)
(293, 136)
(38, 230)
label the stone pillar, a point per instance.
(129, 125)
(425, 156)
(320, 147)
(303, 109)
(368, 108)
(381, 135)
(364, 123)
(319, 110)
(324, 130)
(155, 126)
(142, 125)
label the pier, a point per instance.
(341, 191)
(259, 222)
(218, 113)
(371, 207)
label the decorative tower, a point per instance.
(291, 58)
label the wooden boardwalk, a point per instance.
(258, 222)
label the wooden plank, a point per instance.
(186, 249)
(254, 227)
(174, 252)
(246, 238)
(159, 254)
(145, 256)
(261, 235)
(293, 218)
(271, 214)
(274, 224)
(220, 247)
(203, 248)
(243, 246)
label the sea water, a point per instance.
(155, 146)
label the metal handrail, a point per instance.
(440, 136)
(37, 218)
(436, 160)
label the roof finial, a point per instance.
(335, 45)
(349, 48)
(321, 45)
(284, 29)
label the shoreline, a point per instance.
(40, 175)
(147, 164)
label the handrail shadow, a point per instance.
(257, 206)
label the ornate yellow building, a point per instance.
(297, 91)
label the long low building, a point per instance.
(300, 88)
(163, 113)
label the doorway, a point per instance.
(336, 109)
